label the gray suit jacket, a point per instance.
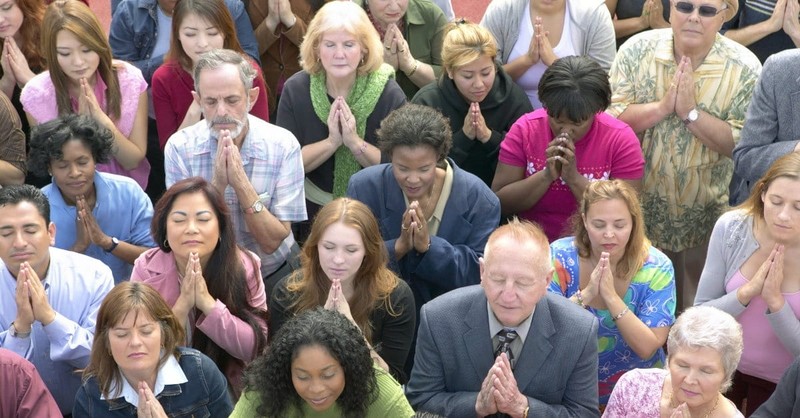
(772, 126)
(556, 370)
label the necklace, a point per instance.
(708, 414)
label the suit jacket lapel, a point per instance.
(537, 347)
(476, 338)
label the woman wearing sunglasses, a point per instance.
(685, 91)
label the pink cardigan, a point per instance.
(232, 334)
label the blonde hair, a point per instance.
(351, 18)
(638, 247)
(465, 42)
(76, 18)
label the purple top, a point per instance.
(39, 101)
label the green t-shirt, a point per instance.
(391, 402)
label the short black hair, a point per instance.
(270, 376)
(414, 125)
(48, 139)
(16, 194)
(576, 87)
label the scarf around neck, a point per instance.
(362, 100)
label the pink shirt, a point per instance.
(610, 149)
(232, 334)
(38, 98)
(764, 355)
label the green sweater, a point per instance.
(391, 402)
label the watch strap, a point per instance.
(114, 243)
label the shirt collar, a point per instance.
(170, 373)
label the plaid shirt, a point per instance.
(272, 161)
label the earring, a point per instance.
(166, 243)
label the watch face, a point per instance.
(258, 206)
(693, 115)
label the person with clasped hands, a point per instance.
(507, 346)
(49, 297)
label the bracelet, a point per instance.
(416, 66)
(580, 299)
(361, 150)
(620, 315)
(525, 414)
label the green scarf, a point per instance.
(362, 100)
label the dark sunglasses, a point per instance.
(705, 11)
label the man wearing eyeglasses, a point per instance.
(685, 91)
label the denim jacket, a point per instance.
(134, 29)
(204, 395)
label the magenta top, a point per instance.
(232, 334)
(609, 150)
(38, 98)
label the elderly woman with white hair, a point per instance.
(705, 346)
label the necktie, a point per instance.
(505, 337)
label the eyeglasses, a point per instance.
(705, 11)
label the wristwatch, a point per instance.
(16, 334)
(114, 243)
(692, 116)
(256, 208)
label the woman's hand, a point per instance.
(390, 47)
(419, 228)
(556, 155)
(667, 102)
(755, 285)
(87, 101)
(334, 127)
(148, 407)
(405, 242)
(482, 132)
(337, 302)
(9, 80)
(533, 46)
(82, 239)
(608, 292)
(91, 227)
(771, 290)
(18, 62)
(347, 121)
(546, 53)
(203, 300)
(566, 156)
(405, 60)
(186, 299)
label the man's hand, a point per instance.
(506, 395)
(485, 404)
(42, 311)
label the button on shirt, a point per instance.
(522, 332)
(273, 163)
(75, 286)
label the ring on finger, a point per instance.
(403, 227)
(388, 47)
(419, 228)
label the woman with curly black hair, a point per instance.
(103, 215)
(319, 365)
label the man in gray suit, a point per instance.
(507, 346)
(772, 126)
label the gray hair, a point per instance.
(706, 326)
(216, 58)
